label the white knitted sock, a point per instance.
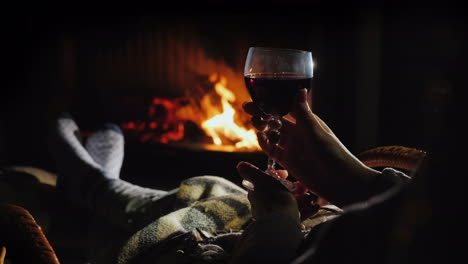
(106, 147)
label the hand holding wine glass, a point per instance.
(273, 76)
(310, 151)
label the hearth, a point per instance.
(165, 165)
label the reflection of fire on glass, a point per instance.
(215, 119)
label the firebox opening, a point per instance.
(212, 121)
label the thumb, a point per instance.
(302, 111)
(258, 178)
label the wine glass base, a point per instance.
(290, 186)
(248, 185)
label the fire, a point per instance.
(223, 125)
(218, 118)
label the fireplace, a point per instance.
(177, 82)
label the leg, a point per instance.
(89, 177)
(131, 207)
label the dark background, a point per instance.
(382, 74)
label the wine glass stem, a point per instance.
(271, 168)
(273, 125)
(271, 164)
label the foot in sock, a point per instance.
(106, 147)
(78, 173)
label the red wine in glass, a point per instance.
(274, 93)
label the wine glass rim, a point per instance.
(279, 49)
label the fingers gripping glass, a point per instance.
(273, 77)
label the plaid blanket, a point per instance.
(213, 206)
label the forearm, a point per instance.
(366, 184)
(274, 238)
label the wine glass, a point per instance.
(273, 77)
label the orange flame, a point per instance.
(223, 125)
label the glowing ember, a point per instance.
(216, 116)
